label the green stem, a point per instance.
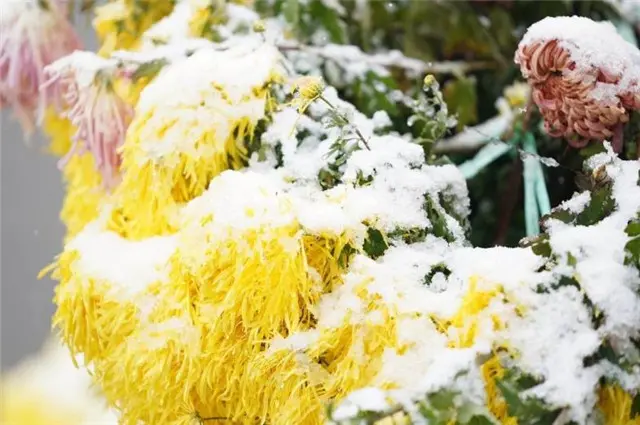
(330, 105)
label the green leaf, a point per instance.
(592, 149)
(345, 255)
(539, 245)
(461, 98)
(438, 221)
(438, 268)
(375, 244)
(148, 69)
(633, 228)
(480, 420)
(632, 249)
(291, 12)
(330, 21)
(635, 406)
(600, 206)
(528, 410)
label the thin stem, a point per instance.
(330, 105)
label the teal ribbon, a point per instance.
(536, 197)
(485, 156)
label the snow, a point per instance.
(552, 339)
(598, 252)
(128, 266)
(592, 45)
(366, 399)
(197, 106)
(85, 66)
(240, 201)
(548, 327)
(578, 203)
(298, 341)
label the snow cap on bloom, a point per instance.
(584, 76)
(180, 139)
(34, 34)
(82, 89)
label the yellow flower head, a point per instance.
(119, 24)
(307, 90)
(59, 130)
(517, 94)
(429, 80)
(174, 148)
(193, 324)
(259, 26)
(616, 405)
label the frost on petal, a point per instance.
(32, 38)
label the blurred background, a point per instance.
(31, 194)
(31, 197)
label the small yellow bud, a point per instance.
(308, 89)
(517, 94)
(429, 80)
(259, 26)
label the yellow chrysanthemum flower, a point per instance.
(59, 130)
(84, 195)
(120, 23)
(179, 140)
(193, 324)
(307, 90)
(207, 14)
(615, 403)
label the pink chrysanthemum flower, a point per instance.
(81, 88)
(584, 78)
(34, 34)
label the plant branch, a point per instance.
(357, 131)
(393, 59)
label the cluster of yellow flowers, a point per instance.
(197, 291)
